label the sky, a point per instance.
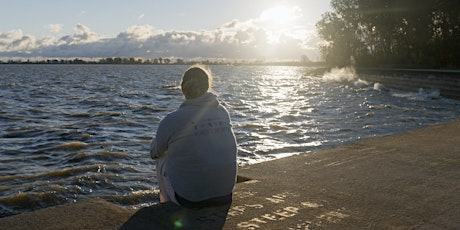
(207, 29)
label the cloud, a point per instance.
(83, 35)
(10, 36)
(140, 33)
(14, 40)
(251, 39)
(55, 28)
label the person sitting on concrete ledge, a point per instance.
(195, 148)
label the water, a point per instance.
(70, 132)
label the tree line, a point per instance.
(116, 60)
(392, 33)
(304, 61)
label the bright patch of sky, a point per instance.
(241, 29)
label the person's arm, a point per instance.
(159, 144)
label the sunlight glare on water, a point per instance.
(278, 104)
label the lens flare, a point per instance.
(178, 224)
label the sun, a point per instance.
(278, 15)
(281, 21)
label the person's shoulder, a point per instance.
(171, 115)
(178, 114)
(222, 107)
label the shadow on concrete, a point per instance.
(171, 216)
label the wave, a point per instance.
(346, 76)
(421, 95)
(70, 145)
(32, 200)
(103, 155)
(145, 197)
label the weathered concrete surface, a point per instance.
(89, 214)
(402, 181)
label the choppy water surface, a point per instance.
(72, 132)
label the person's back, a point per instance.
(200, 163)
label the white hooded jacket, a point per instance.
(200, 149)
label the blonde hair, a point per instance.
(196, 81)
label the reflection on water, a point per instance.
(73, 132)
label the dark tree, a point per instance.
(416, 33)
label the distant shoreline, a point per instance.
(159, 61)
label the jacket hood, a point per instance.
(206, 100)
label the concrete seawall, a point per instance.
(401, 181)
(446, 81)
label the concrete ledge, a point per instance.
(89, 214)
(402, 181)
(446, 81)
